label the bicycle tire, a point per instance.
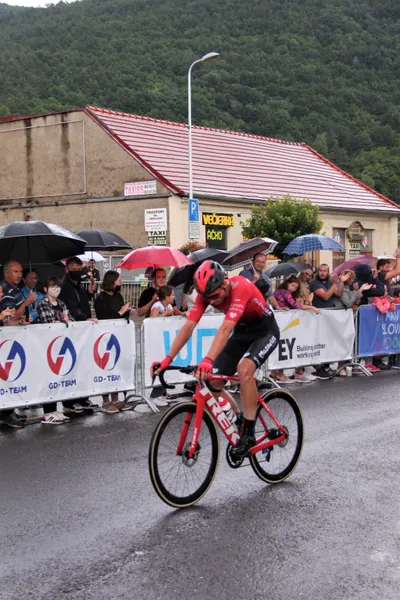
(173, 499)
(260, 462)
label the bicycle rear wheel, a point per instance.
(179, 480)
(276, 463)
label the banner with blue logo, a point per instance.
(306, 339)
(42, 363)
(378, 333)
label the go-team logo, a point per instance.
(12, 360)
(106, 351)
(61, 355)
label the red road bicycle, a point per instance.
(184, 449)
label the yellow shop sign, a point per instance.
(218, 220)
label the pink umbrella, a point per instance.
(352, 262)
(150, 256)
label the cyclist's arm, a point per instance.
(220, 339)
(182, 338)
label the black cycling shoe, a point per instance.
(243, 446)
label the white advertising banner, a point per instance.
(43, 363)
(306, 339)
(310, 339)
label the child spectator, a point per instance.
(163, 307)
(287, 296)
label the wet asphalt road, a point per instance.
(79, 518)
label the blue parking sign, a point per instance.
(193, 209)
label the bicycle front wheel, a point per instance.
(277, 462)
(181, 481)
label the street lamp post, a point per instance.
(204, 58)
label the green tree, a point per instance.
(282, 219)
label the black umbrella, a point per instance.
(98, 239)
(34, 242)
(242, 254)
(286, 269)
(185, 274)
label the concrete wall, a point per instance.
(384, 231)
(65, 155)
(124, 217)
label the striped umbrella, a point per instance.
(310, 242)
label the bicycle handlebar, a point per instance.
(188, 371)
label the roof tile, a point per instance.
(238, 165)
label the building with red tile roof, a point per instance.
(108, 167)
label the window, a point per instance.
(339, 235)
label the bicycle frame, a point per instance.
(206, 400)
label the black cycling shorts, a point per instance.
(247, 342)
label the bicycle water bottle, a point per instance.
(226, 407)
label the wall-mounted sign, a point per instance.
(155, 219)
(355, 232)
(218, 219)
(216, 237)
(157, 238)
(140, 188)
(194, 230)
(355, 249)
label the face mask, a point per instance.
(54, 291)
(117, 288)
(75, 275)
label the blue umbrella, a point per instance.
(312, 241)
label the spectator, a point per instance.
(325, 289)
(287, 296)
(8, 417)
(52, 310)
(110, 304)
(255, 274)
(148, 275)
(72, 294)
(13, 297)
(385, 274)
(30, 282)
(163, 307)
(12, 307)
(149, 296)
(90, 273)
(7, 312)
(76, 299)
(305, 279)
(364, 275)
(352, 292)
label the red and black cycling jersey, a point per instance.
(243, 305)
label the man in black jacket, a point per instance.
(72, 294)
(77, 299)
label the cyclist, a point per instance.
(247, 336)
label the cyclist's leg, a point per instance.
(255, 356)
(252, 360)
(226, 363)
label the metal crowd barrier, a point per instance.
(137, 394)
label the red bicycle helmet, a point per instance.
(208, 277)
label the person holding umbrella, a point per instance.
(255, 274)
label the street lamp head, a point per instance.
(209, 56)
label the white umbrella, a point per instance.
(91, 255)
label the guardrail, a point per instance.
(47, 363)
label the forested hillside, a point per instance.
(326, 72)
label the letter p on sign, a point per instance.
(193, 210)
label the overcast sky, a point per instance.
(29, 2)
